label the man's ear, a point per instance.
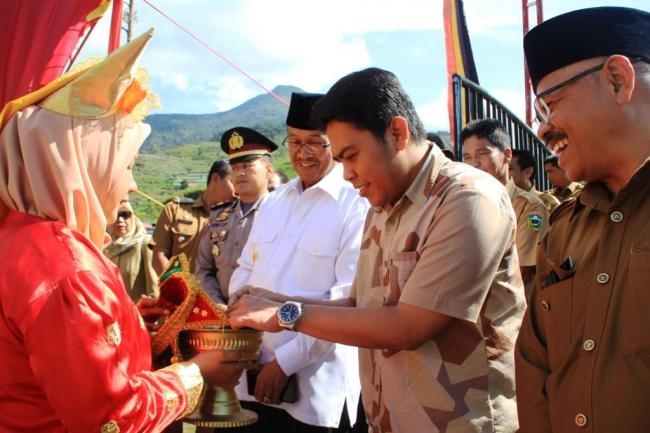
(399, 129)
(619, 71)
(507, 155)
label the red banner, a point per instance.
(39, 37)
(459, 51)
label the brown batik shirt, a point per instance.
(446, 246)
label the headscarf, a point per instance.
(63, 158)
(137, 235)
(64, 168)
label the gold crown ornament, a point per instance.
(96, 88)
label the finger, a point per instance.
(237, 296)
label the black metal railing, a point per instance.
(472, 102)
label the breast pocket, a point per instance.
(637, 321)
(315, 261)
(265, 239)
(183, 233)
(554, 307)
(399, 271)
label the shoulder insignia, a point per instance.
(535, 222)
(221, 205)
(223, 215)
(183, 200)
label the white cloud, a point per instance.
(311, 44)
(434, 114)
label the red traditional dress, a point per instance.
(100, 351)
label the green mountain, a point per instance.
(263, 112)
(175, 159)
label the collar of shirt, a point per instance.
(422, 185)
(250, 207)
(199, 202)
(420, 189)
(596, 196)
(330, 184)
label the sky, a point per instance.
(311, 44)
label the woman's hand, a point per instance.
(223, 367)
(153, 314)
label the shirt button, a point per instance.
(588, 345)
(546, 306)
(616, 216)
(581, 420)
(602, 278)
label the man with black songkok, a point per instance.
(304, 242)
(582, 357)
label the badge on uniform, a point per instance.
(535, 222)
(215, 250)
(222, 216)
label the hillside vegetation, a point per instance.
(175, 159)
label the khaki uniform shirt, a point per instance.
(532, 222)
(179, 227)
(583, 354)
(549, 200)
(446, 246)
(570, 191)
(221, 245)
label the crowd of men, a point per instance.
(403, 291)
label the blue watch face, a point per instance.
(289, 313)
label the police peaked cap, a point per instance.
(243, 144)
(300, 109)
(584, 34)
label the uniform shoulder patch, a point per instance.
(535, 222)
(183, 200)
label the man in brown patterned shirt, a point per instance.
(437, 299)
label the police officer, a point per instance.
(221, 244)
(182, 220)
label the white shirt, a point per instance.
(306, 243)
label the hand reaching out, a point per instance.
(254, 312)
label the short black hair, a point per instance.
(490, 129)
(369, 99)
(524, 160)
(221, 167)
(552, 160)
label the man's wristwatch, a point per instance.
(289, 313)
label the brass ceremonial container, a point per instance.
(219, 407)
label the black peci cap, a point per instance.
(300, 109)
(584, 34)
(243, 144)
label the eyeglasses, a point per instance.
(124, 214)
(312, 145)
(542, 109)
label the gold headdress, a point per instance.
(96, 89)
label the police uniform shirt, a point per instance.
(221, 245)
(179, 226)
